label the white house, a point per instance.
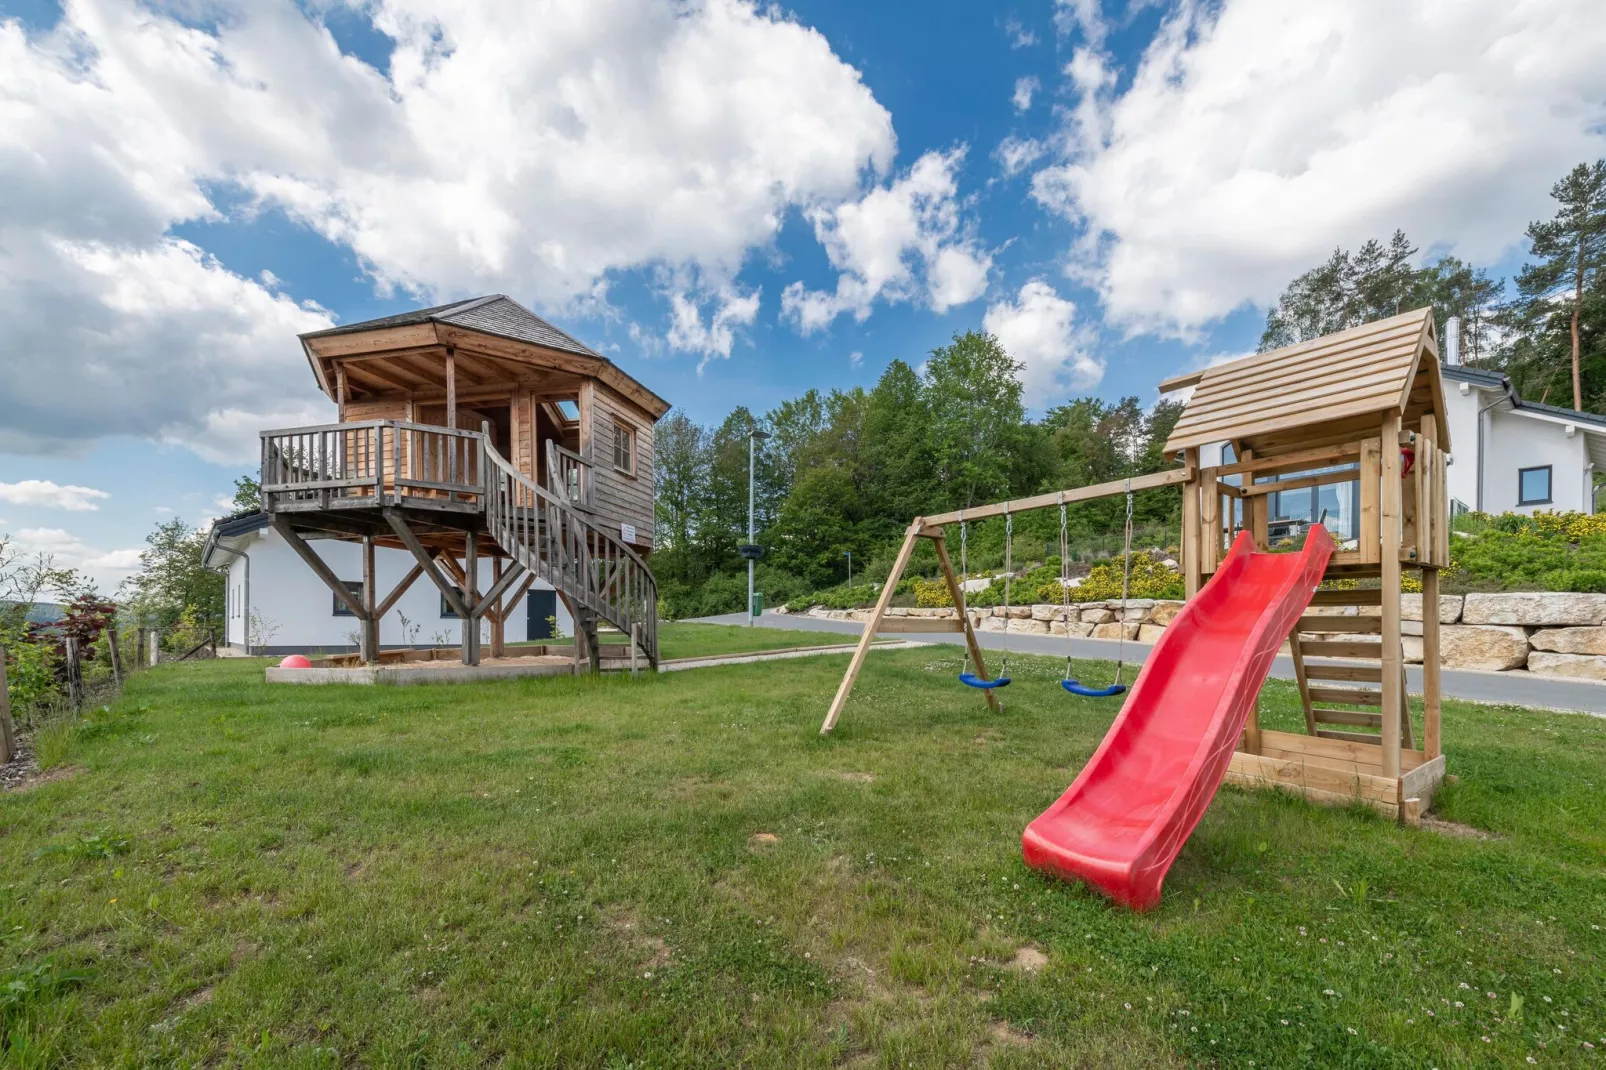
(277, 605)
(1519, 456)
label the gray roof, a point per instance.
(1491, 380)
(495, 314)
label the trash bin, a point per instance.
(757, 608)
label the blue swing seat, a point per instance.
(970, 679)
(1077, 688)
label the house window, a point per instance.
(447, 612)
(1533, 486)
(624, 448)
(341, 609)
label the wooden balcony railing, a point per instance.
(370, 463)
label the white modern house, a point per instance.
(276, 605)
(1518, 456)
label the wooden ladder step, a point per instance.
(906, 625)
(1356, 625)
(1346, 696)
(1357, 597)
(1354, 717)
(1356, 674)
(1350, 737)
(1341, 648)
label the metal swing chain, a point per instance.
(1126, 576)
(1065, 586)
(964, 579)
(1009, 568)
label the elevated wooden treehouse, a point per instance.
(470, 431)
(1346, 431)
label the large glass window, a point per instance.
(1533, 486)
(1334, 506)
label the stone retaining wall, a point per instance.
(1550, 634)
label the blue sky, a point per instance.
(735, 203)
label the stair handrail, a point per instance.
(616, 611)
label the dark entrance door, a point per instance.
(543, 615)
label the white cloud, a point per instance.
(107, 568)
(1084, 15)
(1258, 135)
(43, 492)
(904, 241)
(1020, 36)
(1025, 89)
(1016, 154)
(1039, 329)
(855, 359)
(688, 331)
(528, 147)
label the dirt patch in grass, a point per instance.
(857, 778)
(1027, 960)
(199, 998)
(760, 840)
(1455, 829)
(1007, 1035)
(39, 779)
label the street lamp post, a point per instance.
(753, 438)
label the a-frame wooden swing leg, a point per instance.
(915, 532)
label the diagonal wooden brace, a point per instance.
(427, 563)
(321, 570)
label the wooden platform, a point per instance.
(1339, 772)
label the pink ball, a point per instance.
(295, 661)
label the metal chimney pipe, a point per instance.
(1452, 340)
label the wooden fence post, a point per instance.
(117, 662)
(75, 678)
(8, 736)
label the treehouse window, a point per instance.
(624, 448)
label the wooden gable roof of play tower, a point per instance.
(1330, 389)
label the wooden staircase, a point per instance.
(1325, 686)
(601, 579)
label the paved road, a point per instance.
(1516, 688)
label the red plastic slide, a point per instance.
(1123, 821)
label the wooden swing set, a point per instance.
(1360, 412)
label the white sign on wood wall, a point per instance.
(627, 532)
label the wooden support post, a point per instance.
(1191, 536)
(498, 626)
(635, 646)
(471, 623)
(8, 734)
(451, 387)
(1389, 498)
(370, 625)
(426, 563)
(1298, 656)
(845, 688)
(1431, 745)
(75, 675)
(319, 569)
(139, 647)
(342, 390)
(111, 645)
(1371, 539)
(1209, 522)
(957, 593)
(1252, 728)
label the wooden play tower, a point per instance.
(1362, 410)
(1356, 418)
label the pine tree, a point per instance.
(1557, 316)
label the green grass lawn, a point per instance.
(678, 871)
(683, 640)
